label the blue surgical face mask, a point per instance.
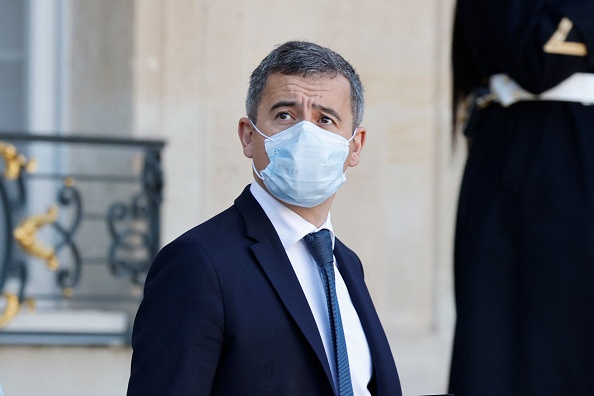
(306, 164)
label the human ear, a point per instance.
(245, 132)
(357, 146)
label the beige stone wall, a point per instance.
(99, 89)
(192, 62)
(193, 59)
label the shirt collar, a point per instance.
(290, 227)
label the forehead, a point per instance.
(328, 91)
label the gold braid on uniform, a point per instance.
(558, 45)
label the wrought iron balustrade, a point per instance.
(79, 228)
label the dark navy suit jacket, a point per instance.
(224, 314)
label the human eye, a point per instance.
(284, 116)
(325, 120)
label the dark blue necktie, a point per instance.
(319, 245)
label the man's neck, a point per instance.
(316, 215)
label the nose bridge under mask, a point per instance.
(302, 125)
(306, 164)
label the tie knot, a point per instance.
(319, 245)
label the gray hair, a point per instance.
(302, 58)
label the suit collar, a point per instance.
(271, 256)
(381, 356)
(273, 259)
(258, 226)
(290, 226)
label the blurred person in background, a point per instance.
(524, 247)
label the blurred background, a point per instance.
(118, 132)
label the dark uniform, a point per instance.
(524, 247)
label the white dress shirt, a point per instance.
(291, 228)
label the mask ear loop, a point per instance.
(260, 132)
(265, 137)
(256, 171)
(354, 134)
(349, 142)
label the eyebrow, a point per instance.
(283, 103)
(289, 103)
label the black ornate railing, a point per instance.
(79, 227)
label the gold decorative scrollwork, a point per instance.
(11, 310)
(13, 307)
(26, 236)
(15, 161)
(558, 45)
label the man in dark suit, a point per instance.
(245, 304)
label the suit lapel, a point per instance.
(273, 259)
(379, 347)
(357, 291)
